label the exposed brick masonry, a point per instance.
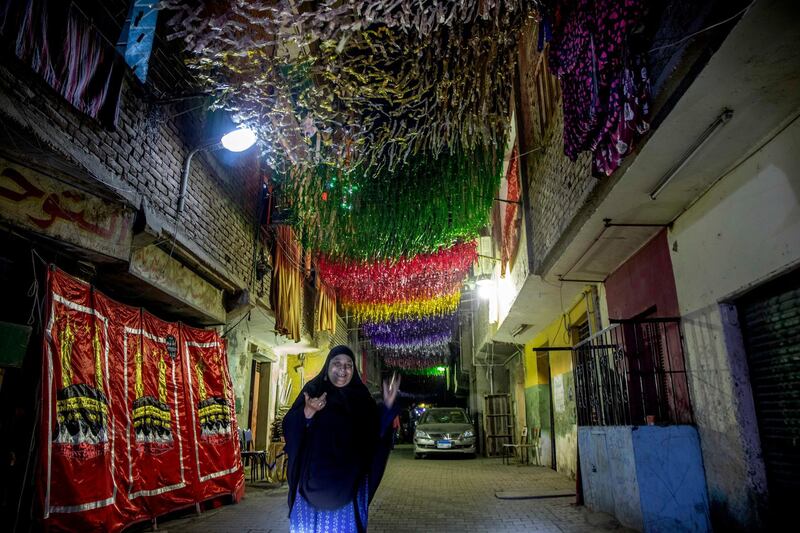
(558, 188)
(142, 158)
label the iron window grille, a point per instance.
(632, 373)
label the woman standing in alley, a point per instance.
(338, 441)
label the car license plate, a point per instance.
(444, 444)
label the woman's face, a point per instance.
(340, 371)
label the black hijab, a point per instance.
(330, 454)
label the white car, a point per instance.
(446, 430)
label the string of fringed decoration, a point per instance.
(409, 328)
(413, 344)
(365, 85)
(426, 204)
(428, 372)
(377, 312)
(395, 360)
(385, 281)
(325, 309)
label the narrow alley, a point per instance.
(376, 266)
(443, 494)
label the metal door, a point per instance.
(770, 318)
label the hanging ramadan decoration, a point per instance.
(396, 330)
(152, 420)
(358, 83)
(421, 276)
(394, 359)
(377, 312)
(425, 204)
(81, 408)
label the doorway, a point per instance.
(259, 414)
(546, 415)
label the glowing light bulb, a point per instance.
(239, 140)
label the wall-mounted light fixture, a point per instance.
(720, 121)
(237, 140)
(485, 286)
(520, 329)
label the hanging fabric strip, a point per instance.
(57, 41)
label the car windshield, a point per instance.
(444, 416)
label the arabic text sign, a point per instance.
(34, 201)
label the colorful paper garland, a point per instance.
(440, 305)
(384, 281)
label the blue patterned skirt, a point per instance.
(305, 518)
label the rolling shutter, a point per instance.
(770, 319)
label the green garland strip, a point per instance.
(426, 204)
(432, 371)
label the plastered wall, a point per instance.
(743, 231)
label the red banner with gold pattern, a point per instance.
(120, 433)
(217, 457)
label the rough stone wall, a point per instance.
(141, 161)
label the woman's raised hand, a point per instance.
(313, 404)
(390, 390)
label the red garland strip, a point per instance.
(422, 276)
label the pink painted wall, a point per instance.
(644, 280)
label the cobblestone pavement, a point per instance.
(429, 495)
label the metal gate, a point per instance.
(770, 319)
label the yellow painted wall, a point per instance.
(558, 333)
(311, 364)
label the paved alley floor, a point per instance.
(428, 495)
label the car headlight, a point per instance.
(467, 434)
(421, 435)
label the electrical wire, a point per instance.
(698, 32)
(246, 315)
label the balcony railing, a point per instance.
(632, 373)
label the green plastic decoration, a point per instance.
(427, 203)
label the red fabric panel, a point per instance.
(217, 460)
(121, 439)
(158, 442)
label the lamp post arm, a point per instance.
(187, 165)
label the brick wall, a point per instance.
(141, 161)
(557, 189)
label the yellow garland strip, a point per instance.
(381, 312)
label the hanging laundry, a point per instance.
(57, 41)
(604, 81)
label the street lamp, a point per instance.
(237, 140)
(485, 288)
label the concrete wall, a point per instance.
(560, 387)
(743, 231)
(608, 473)
(650, 478)
(311, 364)
(537, 404)
(669, 470)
